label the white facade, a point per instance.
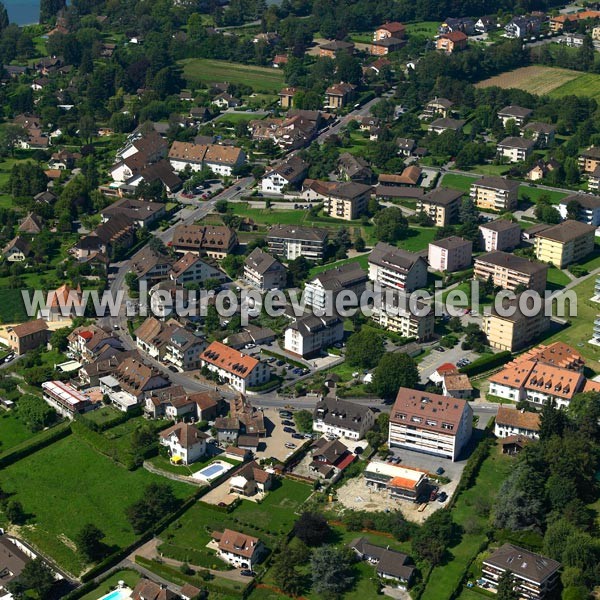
(187, 455)
(273, 183)
(257, 376)
(303, 341)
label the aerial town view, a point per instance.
(299, 299)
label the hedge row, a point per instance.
(43, 439)
(178, 578)
(486, 363)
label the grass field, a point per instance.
(13, 430)
(557, 278)
(446, 578)
(418, 239)
(533, 194)
(580, 330)
(458, 182)
(66, 485)
(362, 260)
(204, 70)
(187, 537)
(542, 80)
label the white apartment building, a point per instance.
(588, 208)
(495, 193)
(430, 423)
(65, 399)
(499, 235)
(450, 254)
(515, 149)
(342, 419)
(326, 286)
(290, 242)
(396, 268)
(308, 336)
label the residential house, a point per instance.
(451, 42)
(146, 589)
(214, 241)
(510, 421)
(515, 149)
(354, 168)
(288, 174)
(594, 180)
(239, 370)
(565, 243)
(441, 205)
(14, 557)
(286, 97)
(513, 330)
(183, 349)
(389, 564)
(331, 49)
(400, 482)
(132, 380)
(87, 342)
(430, 423)
(585, 206)
(28, 336)
(384, 46)
(457, 385)
(17, 250)
(534, 575)
(346, 200)
(541, 168)
(263, 271)
(543, 133)
(500, 234)
(250, 480)
(65, 399)
(174, 403)
(322, 292)
(410, 177)
(450, 254)
(495, 193)
(279, 61)
(485, 24)
(32, 224)
(341, 418)
(191, 268)
(446, 124)
(518, 114)
(309, 335)
(151, 266)
(510, 271)
(521, 27)
(462, 24)
(141, 212)
(250, 334)
(290, 242)
(589, 159)
(338, 95)
(406, 146)
(389, 30)
(110, 237)
(225, 100)
(564, 22)
(220, 159)
(329, 459)
(398, 269)
(185, 443)
(238, 549)
(438, 107)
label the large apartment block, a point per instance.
(309, 335)
(495, 193)
(430, 423)
(346, 200)
(515, 331)
(565, 243)
(509, 271)
(450, 254)
(325, 287)
(396, 268)
(588, 208)
(404, 322)
(589, 159)
(290, 242)
(499, 235)
(441, 205)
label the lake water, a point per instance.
(23, 12)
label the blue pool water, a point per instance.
(113, 595)
(209, 472)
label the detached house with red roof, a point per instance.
(452, 41)
(239, 370)
(238, 549)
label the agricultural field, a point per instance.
(204, 70)
(543, 80)
(45, 481)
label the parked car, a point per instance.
(290, 445)
(285, 414)
(442, 497)
(280, 363)
(440, 471)
(289, 430)
(247, 573)
(440, 349)
(297, 436)
(287, 423)
(433, 495)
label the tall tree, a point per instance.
(3, 17)
(89, 542)
(36, 577)
(50, 8)
(395, 370)
(506, 587)
(330, 570)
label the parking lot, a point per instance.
(278, 438)
(436, 358)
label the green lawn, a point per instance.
(103, 415)
(580, 329)
(557, 278)
(238, 117)
(205, 70)
(458, 182)
(533, 194)
(418, 238)
(12, 430)
(12, 308)
(187, 537)
(66, 485)
(445, 579)
(425, 28)
(584, 85)
(130, 578)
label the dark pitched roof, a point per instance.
(261, 262)
(513, 262)
(567, 231)
(523, 563)
(389, 256)
(497, 183)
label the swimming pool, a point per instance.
(212, 471)
(118, 594)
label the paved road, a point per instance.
(362, 111)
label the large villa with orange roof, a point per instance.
(543, 374)
(239, 370)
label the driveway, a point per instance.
(452, 355)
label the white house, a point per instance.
(308, 336)
(186, 443)
(510, 421)
(343, 419)
(238, 549)
(286, 174)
